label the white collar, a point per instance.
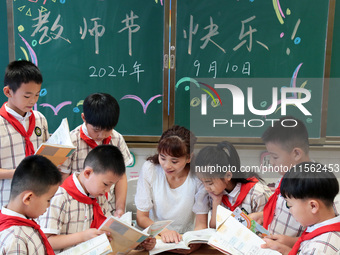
(9, 212)
(235, 191)
(324, 223)
(78, 185)
(17, 115)
(87, 134)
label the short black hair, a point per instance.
(35, 173)
(101, 110)
(288, 132)
(21, 71)
(310, 180)
(104, 158)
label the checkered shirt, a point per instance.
(327, 243)
(67, 215)
(255, 200)
(12, 148)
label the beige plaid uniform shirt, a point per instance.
(18, 240)
(67, 215)
(12, 148)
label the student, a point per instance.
(219, 168)
(167, 190)
(34, 183)
(100, 116)
(21, 129)
(309, 190)
(79, 207)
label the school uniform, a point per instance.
(324, 242)
(277, 218)
(19, 239)
(253, 201)
(13, 144)
(66, 215)
(76, 162)
(154, 195)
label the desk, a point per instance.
(204, 249)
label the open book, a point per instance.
(232, 237)
(190, 237)
(98, 245)
(59, 146)
(126, 237)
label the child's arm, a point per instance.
(217, 200)
(257, 216)
(201, 221)
(6, 173)
(59, 242)
(120, 194)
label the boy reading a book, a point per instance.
(22, 130)
(79, 207)
(100, 116)
(34, 183)
(309, 190)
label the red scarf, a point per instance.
(245, 187)
(72, 190)
(7, 221)
(29, 149)
(269, 208)
(90, 142)
(307, 236)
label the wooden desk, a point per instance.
(203, 250)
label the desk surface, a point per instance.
(204, 249)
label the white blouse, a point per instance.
(155, 196)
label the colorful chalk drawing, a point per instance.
(76, 109)
(278, 11)
(144, 105)
(33, 56)
(161, 1)
(292, 85)
(57, 108)
(198, 84)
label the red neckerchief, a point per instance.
(29, 149)
(319, 231)
(90, 142)
(7, 221)
(269, 208)
(245, 187)
(72, 190)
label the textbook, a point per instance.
(190, 237)
(126, 237)
(232, 237)
(98, 245)
(59, 146)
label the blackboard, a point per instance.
(333, 117)
(259, 44)
(3, 40)
(91, 46)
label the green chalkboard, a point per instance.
(258, 44)
(3, 40)
(333, 117)
(91, 46)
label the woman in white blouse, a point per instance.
(167, 190)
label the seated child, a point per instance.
(219, 169)
(35, 181)
(309, 190)
(167, 190)
(100, 116)
(79, 207)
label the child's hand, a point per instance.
(274, 245)
(257, 216)
(286, 240)
(149, 243)
(118, 213)
(216, 198)
(170, 236)
(93, 232)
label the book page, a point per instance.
(161, 247)
(198, 236)
(61, 135)
(157, 227)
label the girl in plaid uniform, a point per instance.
(218, 167)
